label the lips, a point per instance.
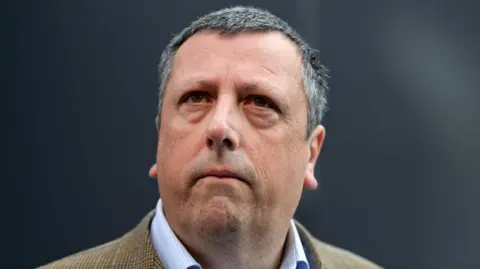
(221, 173)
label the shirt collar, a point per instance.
(294, 256)
(174, 255)
(169, 249)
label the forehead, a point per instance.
(245, 56)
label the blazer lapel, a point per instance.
(139, 244)
(313, 257)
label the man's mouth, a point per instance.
(221, 174)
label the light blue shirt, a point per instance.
(174, 255)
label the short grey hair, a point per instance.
(240, 19)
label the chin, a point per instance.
(218, 217)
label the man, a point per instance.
(241, 101)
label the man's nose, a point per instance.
(221, 133)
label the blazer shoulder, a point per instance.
(335, 257)
(132, 250)
(89, 258)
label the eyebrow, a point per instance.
(196, 83)
(253, 87)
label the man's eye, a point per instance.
(261, 101)
(195, 97)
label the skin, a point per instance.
(235, 103)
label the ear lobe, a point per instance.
(310, 182)
(153, 171)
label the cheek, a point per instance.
(281, 179)
(281, 163)
(173, 156)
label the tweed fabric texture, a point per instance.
(135, 250)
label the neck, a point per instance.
(255, 250)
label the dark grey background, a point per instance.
(399, 171)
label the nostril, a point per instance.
(228, 143)
(209, 142)
(225, 143)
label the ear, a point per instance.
(157, 122)
(315, 143)
(153, 171)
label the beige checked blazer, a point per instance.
(135, 250)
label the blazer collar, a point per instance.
(141, 246)
(311, 252)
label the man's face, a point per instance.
(232, 148)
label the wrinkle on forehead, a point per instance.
(273, 51)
